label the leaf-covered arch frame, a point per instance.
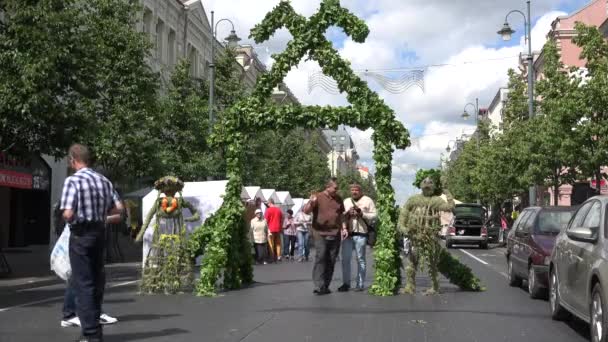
(224, 235)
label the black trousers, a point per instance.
(87, 242)
(291, 244)
(261, 252)
(327, 249)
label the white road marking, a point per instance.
(472, 256)
(59, 297)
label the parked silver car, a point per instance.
(578, 271)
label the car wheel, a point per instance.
(598, 315)
(557, 310)
(514, 280)
(534, 288)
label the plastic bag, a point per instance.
(60, 256)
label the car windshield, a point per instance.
(551, 222)
(469, 211)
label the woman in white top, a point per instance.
(259, 234)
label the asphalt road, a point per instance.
(281, 307)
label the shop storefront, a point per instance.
(24, 201)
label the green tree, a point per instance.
(591, 130)
(516, 107)
(289, 161)
(549, 133)
(44, 75)
(183, 149)
(498, 170)
(345, 180)
(125, 106)
(434, 174)
(459, 177)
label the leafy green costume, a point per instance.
(420, 221)
(168, 267)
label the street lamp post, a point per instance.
(232, 40)
(506, 32)
(465, 115)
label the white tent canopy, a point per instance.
(298, 204)
(254, 192)
(271, 193)
(206, 197)
(285, 199)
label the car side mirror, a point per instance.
(582, 234)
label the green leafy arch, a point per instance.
(224, 236)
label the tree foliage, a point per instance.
(346, 179)
(290, 161)
(44, 78)
(591, 130)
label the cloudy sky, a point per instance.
(454, 41)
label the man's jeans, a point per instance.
(357, 243)
(88, 274)
(303, 249)
(69, 302)
(327, 249)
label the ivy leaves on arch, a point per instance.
(224, 235)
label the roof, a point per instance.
(285, 198)
(254, 192)
(270, 193)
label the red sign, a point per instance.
(15, 179)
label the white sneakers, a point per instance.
(72, 322)
(106, 319)
(75, 321)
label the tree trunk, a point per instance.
(556, 188)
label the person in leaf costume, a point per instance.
(168, 265)
(420, 221)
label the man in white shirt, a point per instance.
(360, 214)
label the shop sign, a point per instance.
(15, 179)
(24, 173)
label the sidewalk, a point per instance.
(31, 264)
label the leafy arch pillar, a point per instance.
(224, 236)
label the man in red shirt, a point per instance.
(274, 217)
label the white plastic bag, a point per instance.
(60, 256)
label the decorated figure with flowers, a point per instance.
(168, 265)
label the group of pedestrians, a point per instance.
(334, 224)
(278, 236)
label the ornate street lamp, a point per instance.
(465, 115)
(506, 33)
(232, 40)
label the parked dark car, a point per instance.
(529, 246)
(578, 272)
(467, 226)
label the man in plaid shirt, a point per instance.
(86, 200)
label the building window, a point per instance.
(148, 22)
(160, 35)
(193, 60)
(171, 48)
